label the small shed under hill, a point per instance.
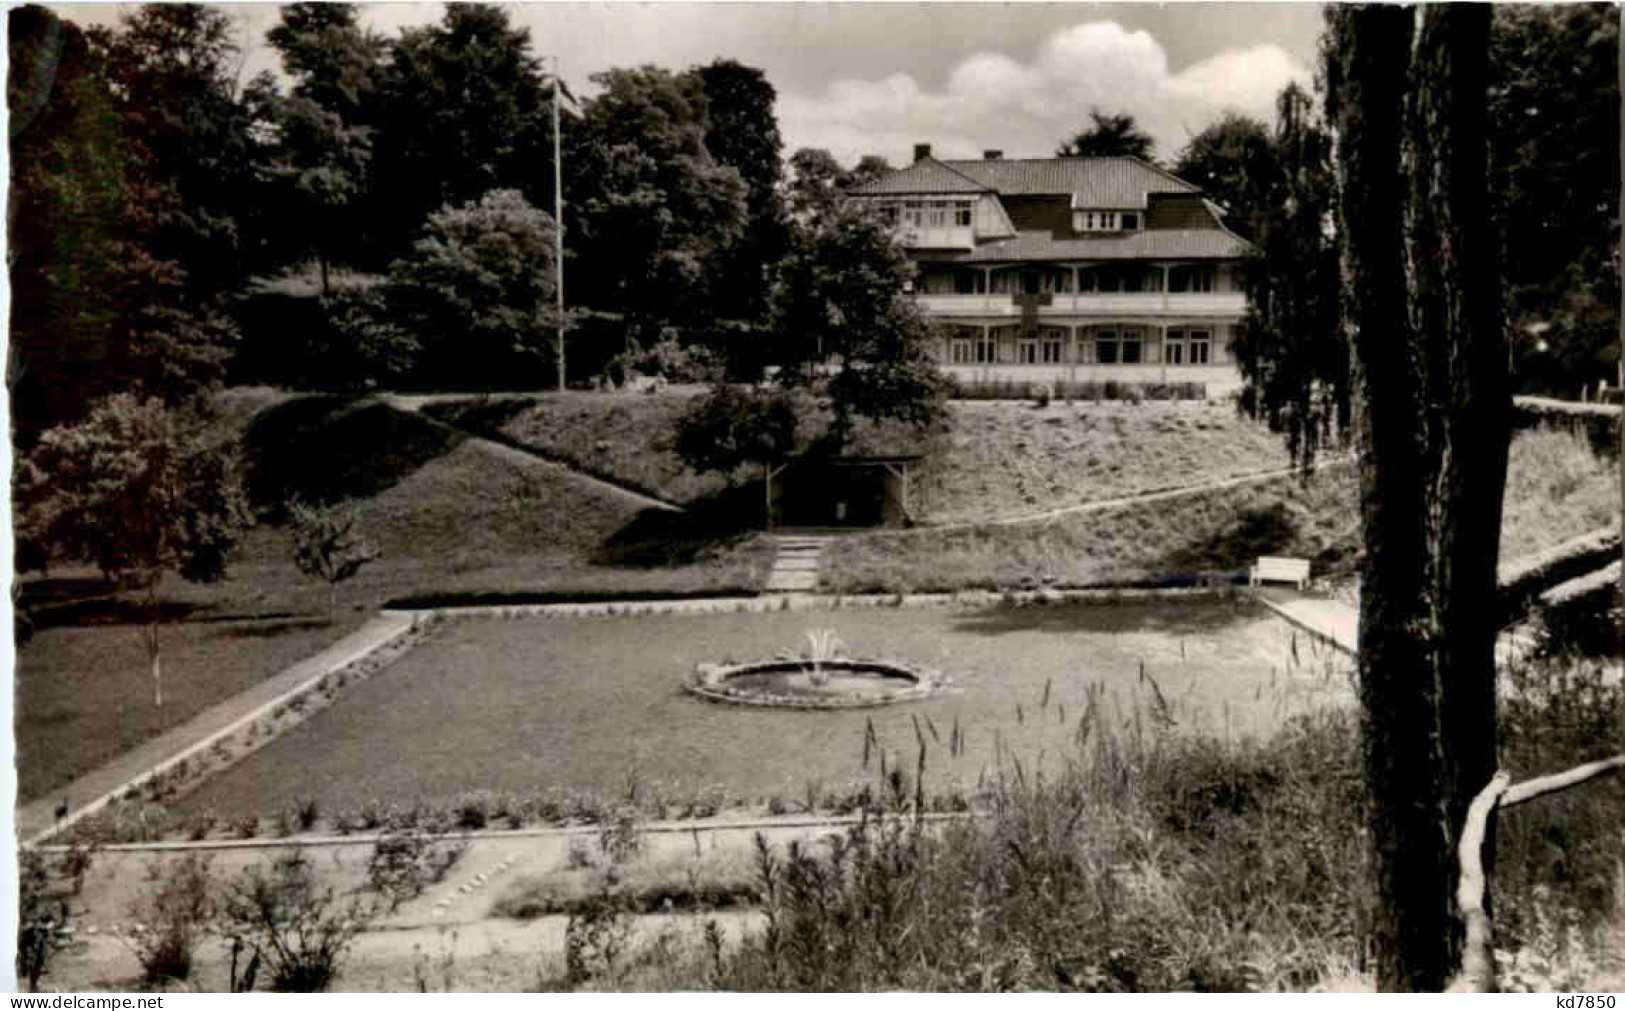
(839, 491)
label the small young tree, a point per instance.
(328, 543)
(137, 490)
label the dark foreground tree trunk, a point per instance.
(1432, 416)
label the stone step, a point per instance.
(796, 565)
(790, 581)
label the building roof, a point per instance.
(1111, 183)
(924, 176)
(1172, 243)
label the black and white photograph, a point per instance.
(681, 497)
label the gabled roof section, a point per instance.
(924, 176)
(1108, 183)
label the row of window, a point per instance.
(928, 213)
(1105, 221)
(971, 281)
(1105, 346)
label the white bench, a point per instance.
(1279, 570)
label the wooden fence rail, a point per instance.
(1478, 957)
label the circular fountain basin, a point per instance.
(838, 684)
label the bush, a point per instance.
(42, 918)
(668, 360)
(296, 930)
(173, 912)
(406, 861)
(1042, 392)
(361, 347)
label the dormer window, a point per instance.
(1105, 221)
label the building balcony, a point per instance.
(1156, 303)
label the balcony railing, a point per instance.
(1154, 303)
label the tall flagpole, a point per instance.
(558, 216)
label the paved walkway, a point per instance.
(91, 791)
(795, 567)
(1339, 623)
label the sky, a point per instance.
(877, 78)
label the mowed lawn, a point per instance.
(998, 458)
(527, 705)
(450, 515)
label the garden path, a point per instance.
(1338, 622)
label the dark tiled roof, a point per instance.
(924, 176)
(1183, 243)
(1090, 182)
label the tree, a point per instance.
(656, 213)
(321, 158)
(69, 177)
(1291, 350)
(733, 427)
(1555, 143)
(137, 490)
(869, 168)
(328, 543)
(816, 179)
(1432, 418)
(1234, 161)
(477, 292)
(1110, 135)
(743, 134)
(175, 70)
(462, 111)
(839, 297)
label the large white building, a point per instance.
(1080, 268)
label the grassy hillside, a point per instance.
(1556, 489)
(999, 459)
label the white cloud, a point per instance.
(990, 100)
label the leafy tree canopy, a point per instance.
(1555, 170)
(1234, 161)
(1110, 135)
(477, 291)
(655, 210)
(463, 111)
(839, 297)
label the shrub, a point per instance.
(173, 911)
(75, 864)
(406, 861)
(42, 918)
(596, 938)
(296, 930)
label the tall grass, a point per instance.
(1149, 860)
